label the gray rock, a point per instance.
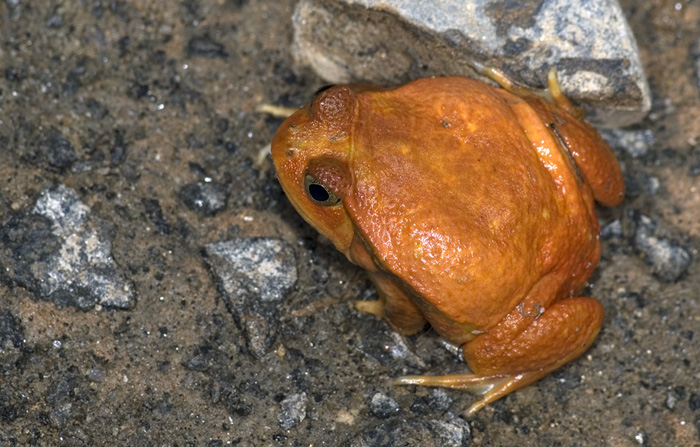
(669, 260)
(293, 410)
(60, 252)
(393, 41)
(254, 275)
(383, 406)
(415, 433)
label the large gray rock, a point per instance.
(394, 41)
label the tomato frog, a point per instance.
(470, 206)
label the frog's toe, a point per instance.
(557, 96)
(552, 93)
(276, 111)
(371, 307)
(490, 387)
(469, 382)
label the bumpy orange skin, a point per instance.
(470, 207)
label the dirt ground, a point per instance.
(130, 103)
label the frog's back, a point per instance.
(451, 197)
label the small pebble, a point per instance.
(58, 149)
(694, 401)
(293, 410)
(668, 259)
(398, 432)
(155, 214)
(204, 198)
(97, 374)
(438, 399)
(383, 406)
(671, 400)
(205, 47)
(611, 230)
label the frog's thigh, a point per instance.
(594, 160)
(560, 334)
(394, 306)
(593, 156)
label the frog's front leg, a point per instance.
(503, 361)
(394, 306)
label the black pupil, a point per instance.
(318, 193)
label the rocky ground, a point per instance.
(158, 289)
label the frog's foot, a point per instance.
(276, 111)
(490, 387)
(551, 94)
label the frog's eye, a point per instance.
(319, 193)
(327, 180)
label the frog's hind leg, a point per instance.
(502, 363)
(592, 155)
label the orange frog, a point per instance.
(472, 209)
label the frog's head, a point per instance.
(312, 152)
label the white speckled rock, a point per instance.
(394, 41)
(254, 275)
(61, 252)
(293, 410)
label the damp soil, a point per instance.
(146, 110)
